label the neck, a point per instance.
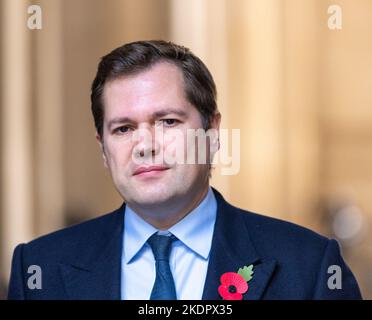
(165, 216)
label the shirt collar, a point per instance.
(195, 230)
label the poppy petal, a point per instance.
(227, 295)
(236, 280)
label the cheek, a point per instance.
(117, 154)
(175, 146)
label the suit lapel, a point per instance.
(232, 249)
(97, 273)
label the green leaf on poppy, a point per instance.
(246, 272)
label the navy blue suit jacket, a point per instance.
(84, 261)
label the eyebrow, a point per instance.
(155, 115)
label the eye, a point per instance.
(170, 122)
(122, 129)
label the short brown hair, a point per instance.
(135, 57)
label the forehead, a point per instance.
(161, 86)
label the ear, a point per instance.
(216, 120)
(100, 142)
(215, 124)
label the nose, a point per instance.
(147, 145)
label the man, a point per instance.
(175, 237)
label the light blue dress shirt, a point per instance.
(189, 255)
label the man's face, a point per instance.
(144, 102)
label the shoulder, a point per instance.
(270, 236)
(302, 258)
(266, 228)
(74, 240)
(278, 235)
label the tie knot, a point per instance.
(160, 246)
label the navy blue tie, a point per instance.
(164, 288)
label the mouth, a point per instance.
(149, 171)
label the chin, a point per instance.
(150, 195)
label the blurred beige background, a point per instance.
(300, 92)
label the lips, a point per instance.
(141, 170)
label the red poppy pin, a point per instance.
(235, 284)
